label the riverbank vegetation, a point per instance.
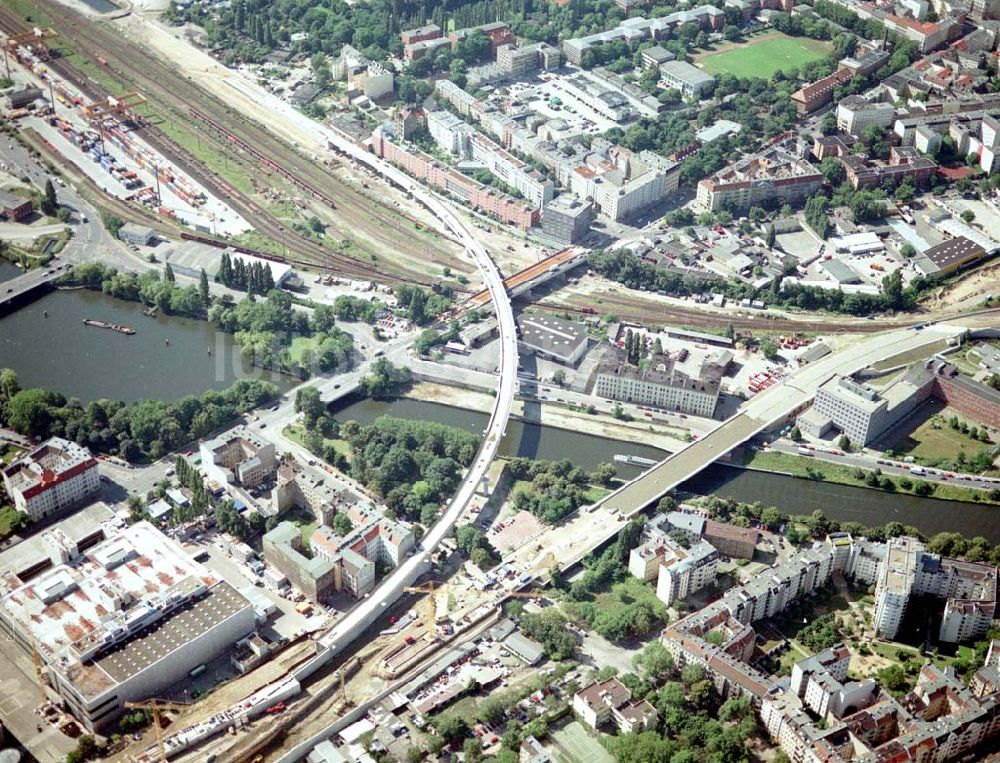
(144, 429)
(825, 471)
(264, 328)
(412, 465)
(552, 490)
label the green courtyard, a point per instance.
(762, 55)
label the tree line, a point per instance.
(144, 429)
(255, 278)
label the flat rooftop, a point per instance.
(69, 609)
(162, 638)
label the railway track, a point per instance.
(700, 319)
(154, 78)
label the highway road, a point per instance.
(894, 468)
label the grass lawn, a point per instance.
(798, 466)
(764, 55)
(304, 520)
(934, 440)
(299, 345)
(8, 517)
(577, 746)
(294, 433)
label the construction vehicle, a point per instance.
(156, 705)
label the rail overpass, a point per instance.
(572, 540)
(530, 277)
(356, 621)
(29, 281)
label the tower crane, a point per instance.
(156, 705)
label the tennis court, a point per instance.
(579, 747)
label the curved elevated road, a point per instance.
(354, 623)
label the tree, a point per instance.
(893, 678)
(654, 661)
(795, 434)
(828, 125)
(8, 384)
(844, 443)
(968, 215)
(908, 251)
(30, 411)
(559, 377)
(203, 288)
(605, 474)
(472, 750)
(342, 524)
(769, 348)
(770, 237)
(50, 204)
(168, 273)
(452, 728)
(309, 403)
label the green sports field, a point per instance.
(763, 55)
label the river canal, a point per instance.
(789, 494)
(61, 353)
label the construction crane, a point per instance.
(123, 106)
(156, 705)
(36, 40)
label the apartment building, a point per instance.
(55, 477)
(856, 114)
(683, 572)
(238, 457)
(769, 177)
(604, 701)
(731, 541)
(621, 183)
(336, 563)
(904, 161)
(477, 195)
(659, 385)
(522, 177)
(122, 621)
(927, 34)
(521, 60)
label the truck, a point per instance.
(918, 470)
(805, 452)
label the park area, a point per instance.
(940, 435)
(762, 55)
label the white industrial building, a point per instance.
(122, 621)
(682, 76)
(56, 476)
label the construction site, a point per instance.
(415, 662)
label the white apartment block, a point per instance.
(462, 140)
(56, 476)
(855, 115)
(520, 176)
(621, 183)
(660, 385)
(686, 571)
